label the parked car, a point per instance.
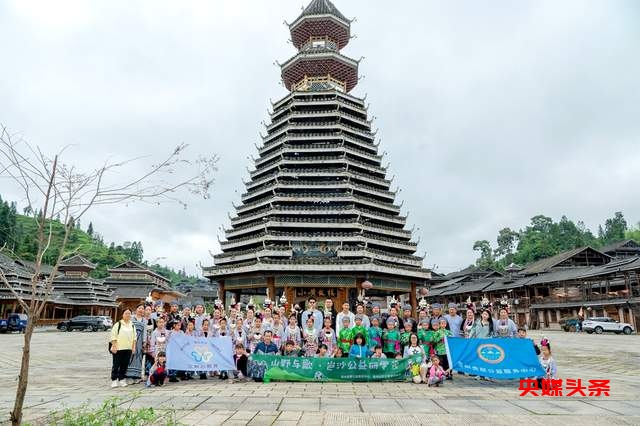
(599, 325)
(14, 322)
(82, 322)
(108, 322)
(569, 323)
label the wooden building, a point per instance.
(319, 216)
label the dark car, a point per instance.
(82, 322)
(15, 322)
(570, 323)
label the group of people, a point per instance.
(139, 340)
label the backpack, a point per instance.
(110, 344)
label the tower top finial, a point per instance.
(323, 7)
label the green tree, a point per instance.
(486, 259)
(614, 229)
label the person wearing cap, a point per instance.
(366, 323)
(313, 312)
(406, 317)
(375, 312)
(424, 336)
(359, 328)
(436, 311)
(440, 331)
(391, 338)
(374, 333)
(345, 336)
(405, 334)
(341, 315)
(454, 320)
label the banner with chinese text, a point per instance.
(189, 353)
(271, 367)
(497, 358)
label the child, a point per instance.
(337, 353)
(391, 339)
(293, 333)
(436, 372)
(424, 336)
(345, 337)
(158, 372)
(547, 362)
(175, 330)
(238, 334)
(159, 338)
(359, 348)
(289, 349)
(240, 359)
(327, 336)
(440, 331)
(323, 352)
(254, 336)
(359, 328)
(310, 336)
(406, 334)
(278, 329)
(374, 334)
(377, 352)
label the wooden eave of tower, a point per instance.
(320, 63)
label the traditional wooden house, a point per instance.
(133, 283)
(622, 249)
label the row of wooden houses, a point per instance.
(602, 282)
(75, 292)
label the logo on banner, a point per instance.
(491, 353)
(201, 353)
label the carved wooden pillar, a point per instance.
(413, 300)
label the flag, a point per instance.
(189, 353)
(497, 358)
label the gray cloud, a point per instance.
(491, 112)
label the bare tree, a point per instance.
(52, 188)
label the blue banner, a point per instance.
(501, 358)
(189, 353)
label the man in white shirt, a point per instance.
(344, 313)
(314, 313)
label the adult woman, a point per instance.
(150, 325)
(123, 340)
(504, 326)
(418, 370)
(134, 370)
(483, 328)
(468, 323)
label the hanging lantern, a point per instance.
(424, 291)
(367, 285)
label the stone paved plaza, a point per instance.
(71, 368)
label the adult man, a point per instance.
(312, 312)
(366, 323)
(345, 313)
(266, 346)
(393, 315)
(330, 310)
(454, 320)
(436, 311)
(406, 317)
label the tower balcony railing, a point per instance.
(302, 197)
(324, 159)
(302, 184)
(302, 210)
(314, 148)
(325, 104)
(310, 97)
(313, 172)
(241, 255)
(283, 118)
(380, 255)
(339, 136)
(339, 125)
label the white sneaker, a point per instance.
(114, 384)
(123, 383)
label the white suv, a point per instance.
(602, 324)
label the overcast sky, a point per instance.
(491, 111)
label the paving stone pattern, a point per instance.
(69, 369)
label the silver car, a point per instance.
(599, 325)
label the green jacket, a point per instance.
(345, 339)
(437, 340)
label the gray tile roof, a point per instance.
(322, 7)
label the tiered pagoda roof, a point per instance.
(318, 199)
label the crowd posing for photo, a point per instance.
(139, 340)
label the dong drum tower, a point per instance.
(318, 216)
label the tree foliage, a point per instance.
(544, 237)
